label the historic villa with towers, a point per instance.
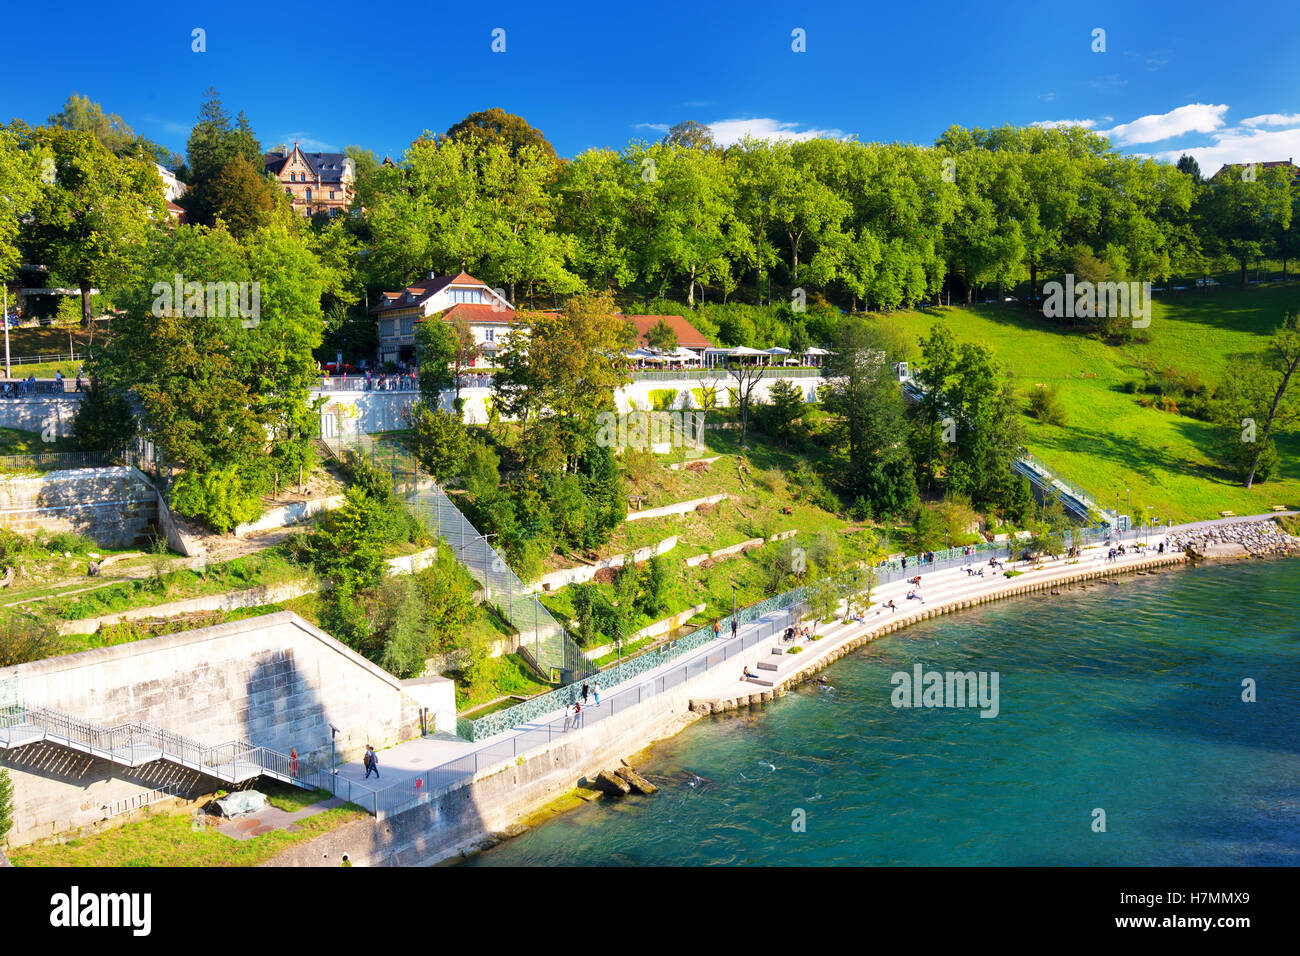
(315, 182)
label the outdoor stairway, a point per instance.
(542, 639)
(135, 744)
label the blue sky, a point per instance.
(1218, 81)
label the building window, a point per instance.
(309, 194)
(389, 327)
(488, 335)
(331, 194)
(408, 326)
(459, 296)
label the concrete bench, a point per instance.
(1279, 508)
(1227, 514)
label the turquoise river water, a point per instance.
(1121, 697)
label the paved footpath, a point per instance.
(723, 678)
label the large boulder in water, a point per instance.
(637, 782)
(613, 784)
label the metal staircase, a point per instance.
(542, 639)
(135, 744)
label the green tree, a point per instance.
(691, 135)
(654, 588)
(497, 127)
(439, 440)
(435, 351)
(90, 222)
(20, 187)
(785, 407)
(348, 545)
(868, 430)
(661, 336)
(560, 370)
(1255, 402)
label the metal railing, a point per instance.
(133, 744)
(718, 372)
(411, 792)
(140, 800)
(542, 639)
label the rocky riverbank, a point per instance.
(1236, 540)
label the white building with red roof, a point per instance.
(488, 312)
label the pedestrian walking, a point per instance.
(717, 628)
(371, 761)
(595, 690)
(585, 691)
(577, 715)
(568, 715)
(293, 761)
(735, 626)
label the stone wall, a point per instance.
(462, 817)
(275, 680)
(38, 413)
(114, 506)
(581, 574)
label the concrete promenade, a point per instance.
(716, 677)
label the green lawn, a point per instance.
(14, 441)
(262, 568)
(171, 839)
(1111, 443)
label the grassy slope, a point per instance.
(1110, 442)
(171, 840)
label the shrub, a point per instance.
(795, 650)
(23, 639)
(661, 399)
(1129, 387)
(220, 497)
(6, 804)
(1044, 404)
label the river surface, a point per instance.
(1118, 697)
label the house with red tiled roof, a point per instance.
(1292, 170)
(687, 335)
(486, 309)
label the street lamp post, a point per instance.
(334, 763)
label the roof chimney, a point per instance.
(433, 275)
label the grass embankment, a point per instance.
(756, 508)
(15, 441)
(1110, 442)
(261, 569)
(172, 839)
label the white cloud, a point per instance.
(656, 127)
(726, 132)
(1240, 145)
(1192, 118)
(308, 144)
(1056, 124)
(1047, 97)
(1273, 119)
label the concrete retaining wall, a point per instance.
(274, 680)
(822, 659)
(285, 515)
(583, 573)
(659, 627)
(49, 414)
(678, 508)
(115, 507)
(497, 797)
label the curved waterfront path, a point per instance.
(423, 767)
